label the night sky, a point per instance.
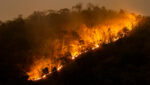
(10, 9)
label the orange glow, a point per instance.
(91, 38)
(59, 68)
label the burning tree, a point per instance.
(59, 37)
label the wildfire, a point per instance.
(91, 38)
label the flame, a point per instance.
(60, 67)
(91, 38)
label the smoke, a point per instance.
(49, 39)
(46, 27)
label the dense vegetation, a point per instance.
(125, 62)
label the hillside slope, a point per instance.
(125, 62)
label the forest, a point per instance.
(41, 35)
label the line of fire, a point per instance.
(66, 48)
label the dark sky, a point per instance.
(10, 9)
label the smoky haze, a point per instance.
(47, 38)
(9, 9)
(49, 34)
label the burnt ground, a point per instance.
(125, 62)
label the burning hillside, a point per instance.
(79, 32)
(46, 42)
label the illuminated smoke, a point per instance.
(83, 30)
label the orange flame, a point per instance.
(90, 39)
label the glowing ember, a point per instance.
(96, 46)
(90, 38)
(73, 57)
(59, 68)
